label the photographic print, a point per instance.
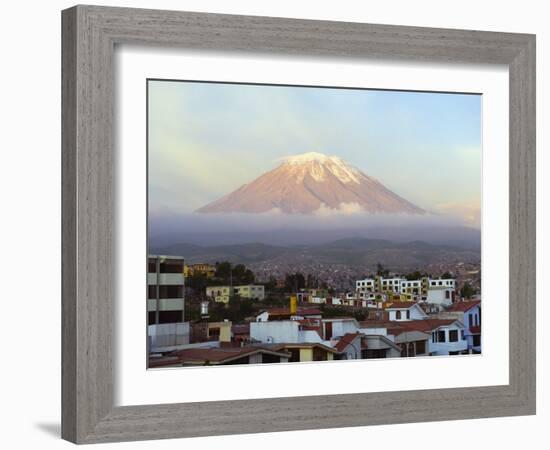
(299, 223)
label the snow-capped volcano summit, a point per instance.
(307, 182)
(317, 165)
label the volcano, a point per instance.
(307, 183)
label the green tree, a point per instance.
(271, 284)
(467, 291)
(416, 275)
(223, 270)
(381, 270)
(295, 281)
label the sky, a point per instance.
(207, 139)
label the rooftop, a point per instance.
(400, 305)
(463, 306)
(220, 355)
(345, 341)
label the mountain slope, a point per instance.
(351, 251)
(305, 183)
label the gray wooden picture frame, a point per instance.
(90, 34)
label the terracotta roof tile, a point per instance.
(216, 355)
(463, 306)
(346, 340)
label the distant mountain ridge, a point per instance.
(306, 183)
(350, 251)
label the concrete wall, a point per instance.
(166, 279)
(168, 334)
(165, 304)
(284, 331)
(340, 327)
(440, 296)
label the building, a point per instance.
(404, 338)
(411, 342)
(337, 327)
(378, 346)
(349, 346)
(401, 311)
(206, 270)
(165, 289)
(436, 291)
(411, 289)
(221, 356)
(469, 313)
(224, 293)
(305, 352)
(219, 331)
(165, 337)
(283, 331)
(166, 328)
(272, 314)
(387, 285)
(446, 336)
(240, 334)
(441, 292)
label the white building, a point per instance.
(469, 313)
(223, 293)
(441, 291)
(404, 311)
(282, 332)
(389, 284)
(447, 338)
(434, 291)
(442, 283)
(338, 327)
(364, 287)
(413, 287)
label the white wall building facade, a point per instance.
(448, 340)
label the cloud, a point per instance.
(345, 209)
(468, 212)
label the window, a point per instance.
(214, 333)
(151, 291)
(170, 316)
(470, 320)
(477, 340)
(171, 266)
(447, 294)
(397, 315)
(434, 337)
(462, 334)
(408, 314)
(453, 336)
(171, 291)
(441, 336)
